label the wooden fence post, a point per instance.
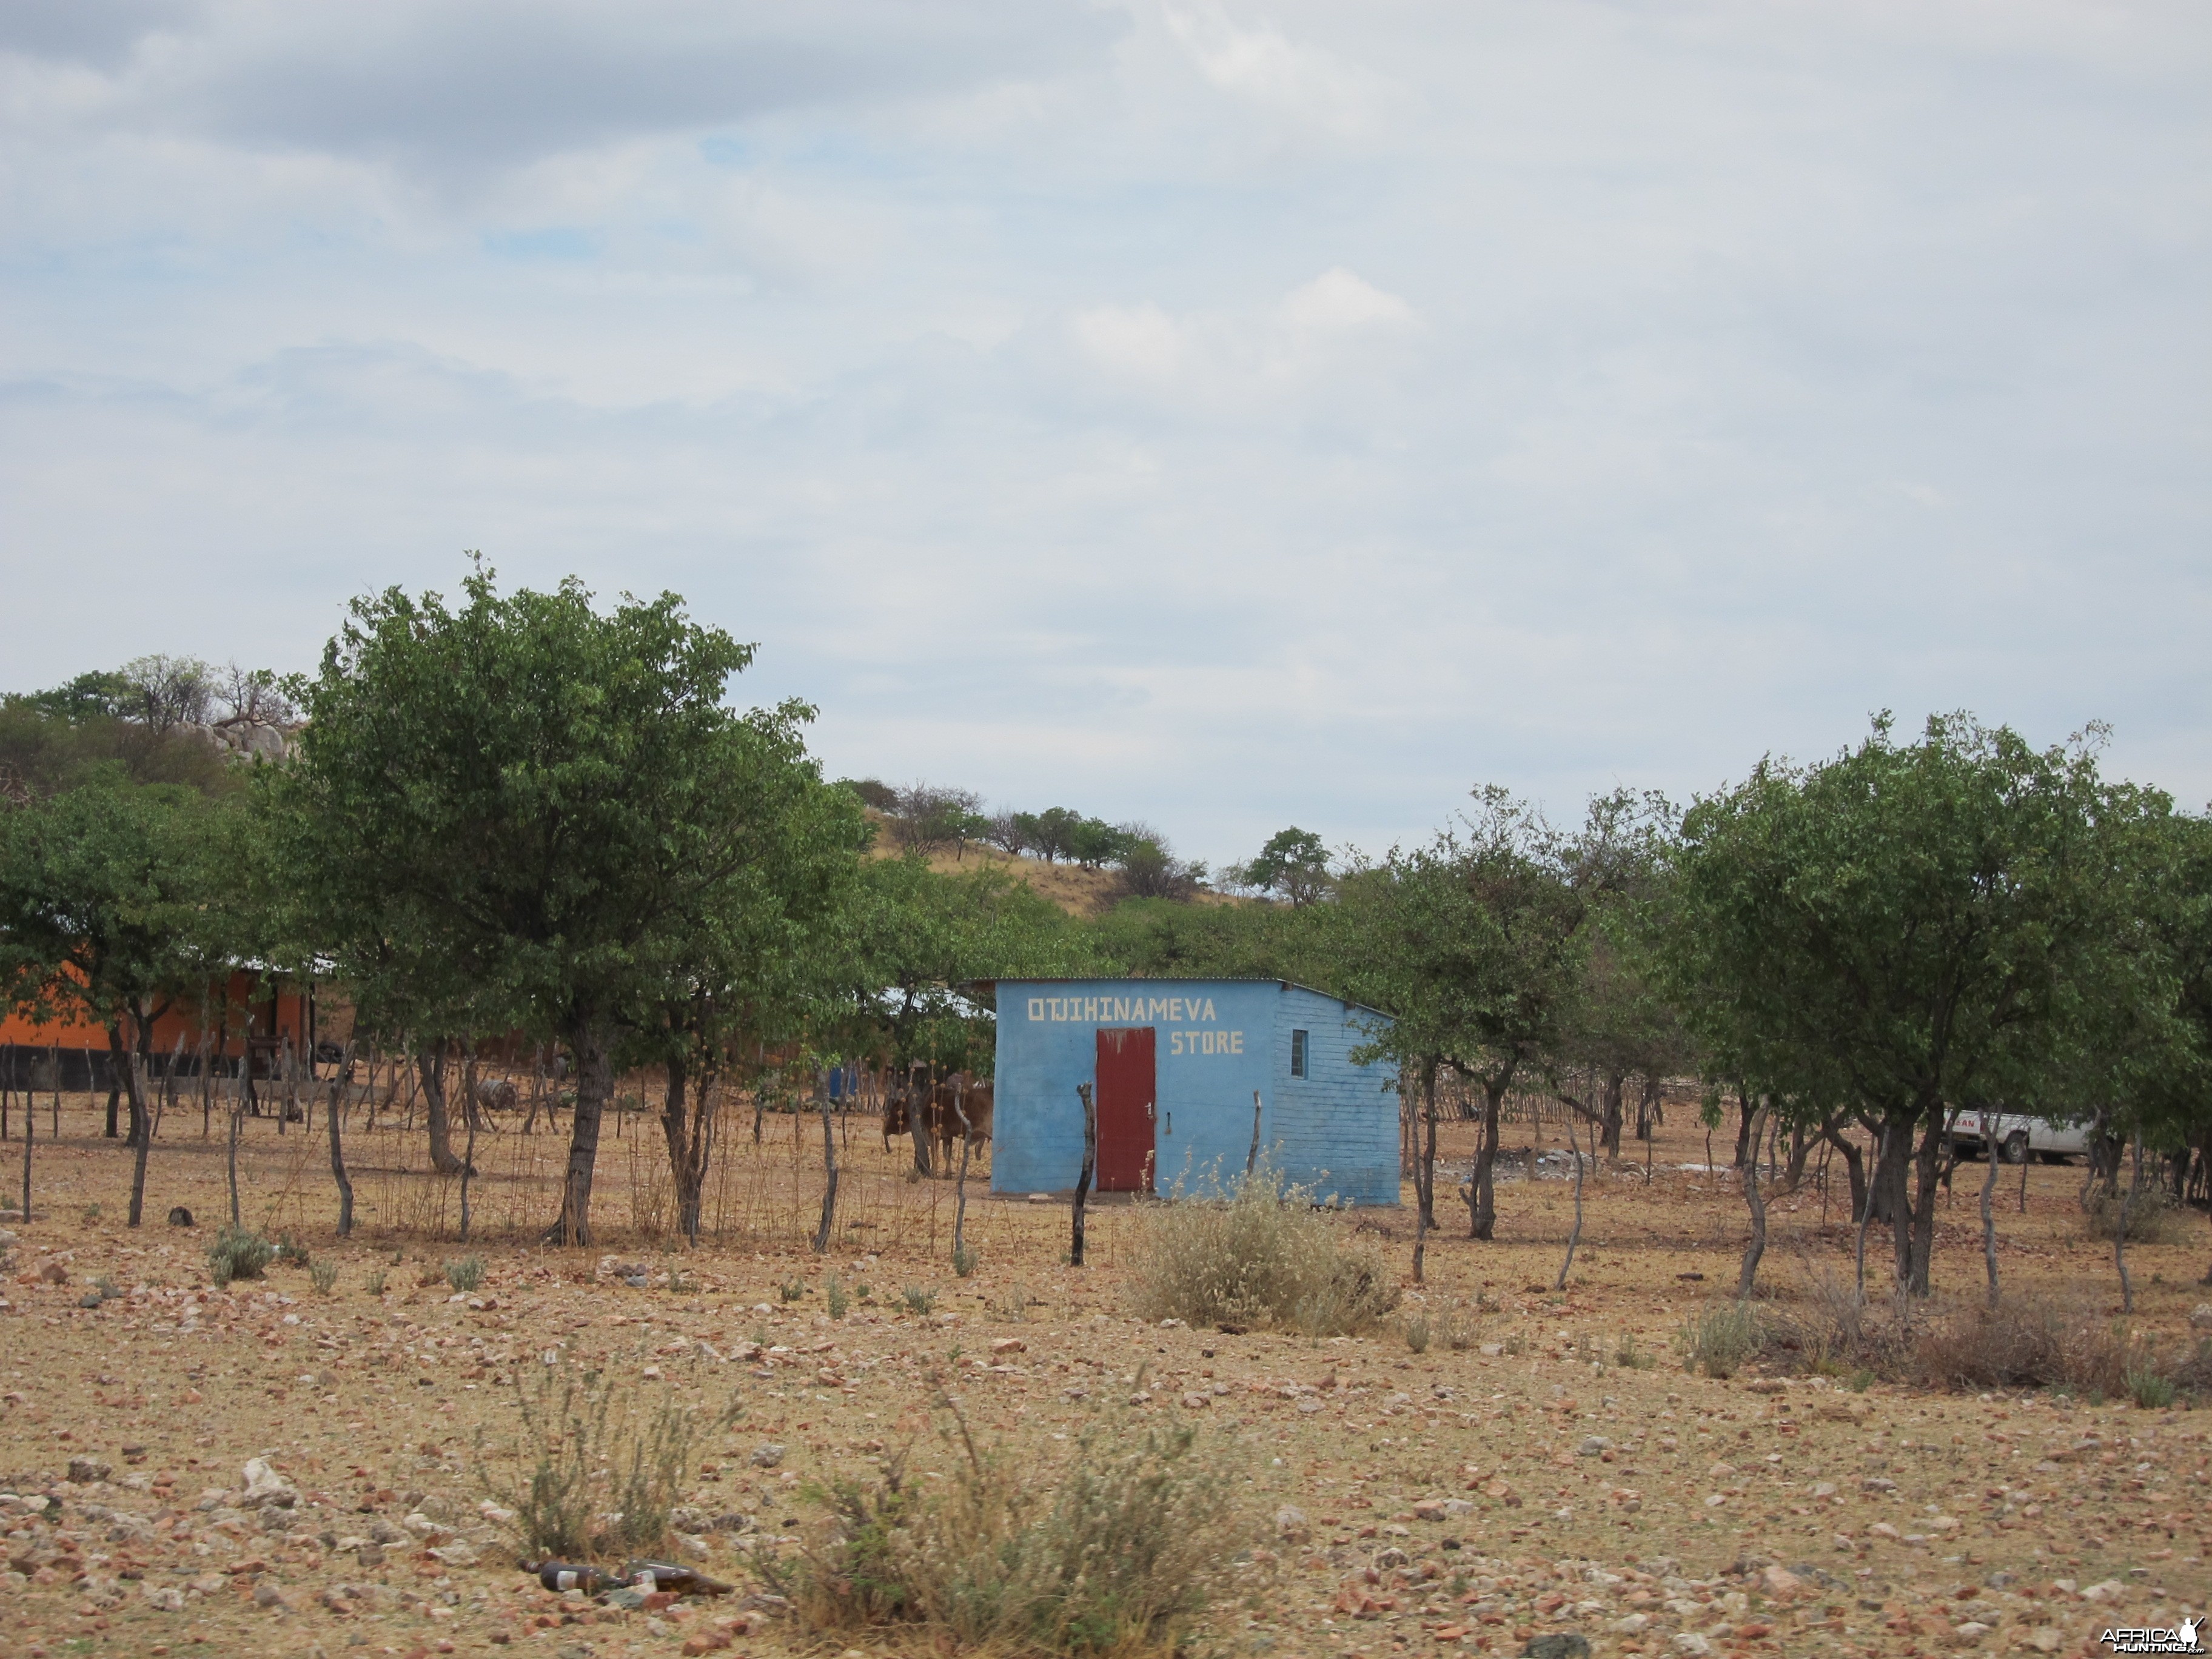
(1090, 1167)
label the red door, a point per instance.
(1124, 1109)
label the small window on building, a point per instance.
(1297, 1054)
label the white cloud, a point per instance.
(1340, 298)
(1227, 416)
(1258, 63)
(1140, 341)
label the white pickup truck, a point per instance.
(2017, 1136)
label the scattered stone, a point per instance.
(163, 1598)
(87, 1473)
(1778, 1582)
(265, 1487)
(767, 1455)
(1556, 1644)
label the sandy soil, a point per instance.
(1465, 1498)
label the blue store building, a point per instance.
(1176, 1064)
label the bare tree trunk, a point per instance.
(917, 1113)
(1090, 1167)
(1920, 1245)
(30, 1134)
(141, 1124)
(1612, 1096)
(960, 1182)
(337, 1152)
(1745, 1113)
(1866, 1210)
(1424, 1173)
(688, 1122)
(2120, 1234)
(1989, 1203)
(431, 1064)
(1854, 1162)
(1575, 1237)
(1481, 1188)
(594, 1083)
(237, 1105)
(1252, 1156)
(829, 1180)
(469, 1157)
(1749, 1277)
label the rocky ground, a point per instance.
(269, 1470)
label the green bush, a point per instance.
(792, 1289)
(325, 1276)
(1114, 1551)
(464, 1272)
(373, 1284)
(1416, 1332)
(1264, 1257)
(238, 1254)
(920, 1301)
(964, 1259)
(834, 1293)
(1721, 1339)
(2149, 1386)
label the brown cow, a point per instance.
(931, 1112)
(959, 1101)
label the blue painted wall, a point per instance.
(1334, 1130)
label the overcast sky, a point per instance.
(1224, 416)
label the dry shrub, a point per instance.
(1262, 1258)
(2028, 1341)
(2153, 1216)
(1113, 1551)
(651, 1192)
(594, 1470)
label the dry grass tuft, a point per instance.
(1125, 1543)
(1264, 1258)
(585, 1479)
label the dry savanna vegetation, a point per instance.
(622, 1332)
(1239, 1428)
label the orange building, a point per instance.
(253, 1015)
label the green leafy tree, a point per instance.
(1476, 946)
(97, 694)
(1094, 843)
(1293, 864)
(913, 951)
(1165, 939)
(1909, 929)
(109, 904)
(514, 812)
(1049, 834)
